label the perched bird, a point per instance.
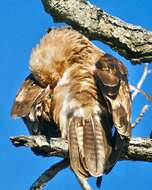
(89, 97)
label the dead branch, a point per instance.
(41, 146)
(137, 149)
(142, 112)
(140, 82)
(132, 42)
(49, 174)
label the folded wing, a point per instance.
(111, 76)
(25, 98)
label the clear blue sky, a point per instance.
(22, 24)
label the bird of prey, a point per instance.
(84, 92)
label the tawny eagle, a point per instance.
(80, 90)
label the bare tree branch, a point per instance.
(142, 92)
(49, 174)
(143, 111)
(140, 82)
(41, 146)
(137, 149)
(132, 42)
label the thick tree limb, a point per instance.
(132, 42)
(41, 146)
(137, 149)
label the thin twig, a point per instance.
(49, 174)
(142, 112)
(142, 92)
(139, 84)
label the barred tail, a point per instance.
(88, 147)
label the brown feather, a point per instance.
(95, 147)
(77, 100)
(76, 159)
(34, 104)
(87, 84)
(25, 98)
(113, 84)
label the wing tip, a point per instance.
(15, 113)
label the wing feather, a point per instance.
(25, 98)
(112, 81)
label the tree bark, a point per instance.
(137, 149)
(132, 42)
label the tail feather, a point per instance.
(94, 147)
(87, 147)
(75, 159)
